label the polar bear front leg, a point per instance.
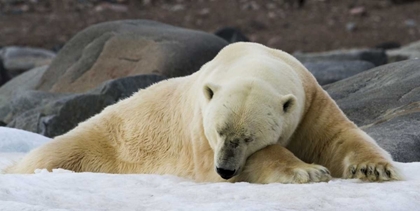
(276, 164)
(355, 155)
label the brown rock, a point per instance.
(124, 48)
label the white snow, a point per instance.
(15, 140)
(65, 190)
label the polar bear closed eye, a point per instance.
(251, 114)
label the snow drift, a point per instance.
(65, 190)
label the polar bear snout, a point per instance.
(226, 173)
(229, 159)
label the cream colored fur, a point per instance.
(253, 109)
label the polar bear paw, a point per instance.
(372, 172)
(305, 173)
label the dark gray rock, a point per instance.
(20, 59)
(374, 56)
(385, 102)
(327, 72)
(231, 35)
(400, 135)
(53, 114)
(25, 101)
(28, 121)
(125, 87)
(64, 114)
(130, 47)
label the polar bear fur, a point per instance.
(251, 114)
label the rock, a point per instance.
(64, 114)
(26, 81)
(20, 59)
(53, 114)
(351, 26)
(26, 101)
(374, 56)
(129, 47)
(125, 87)
(327, 72)
(404, 141)
(231, 35)
(204, 11)
(410, 23)
(358, 11)
(385, 102)
(4, 75)
(410, 51)
(28, 121)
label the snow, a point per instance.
(15, 140)
(66, 190)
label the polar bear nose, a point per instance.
(225, 173)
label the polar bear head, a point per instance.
(244, 116)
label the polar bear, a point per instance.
(252, 114)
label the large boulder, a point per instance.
(125, 48)
(385, 102)
(53, 114)
(327, 72)
(374, 56)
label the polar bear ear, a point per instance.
(288, 103)
(210, 89)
